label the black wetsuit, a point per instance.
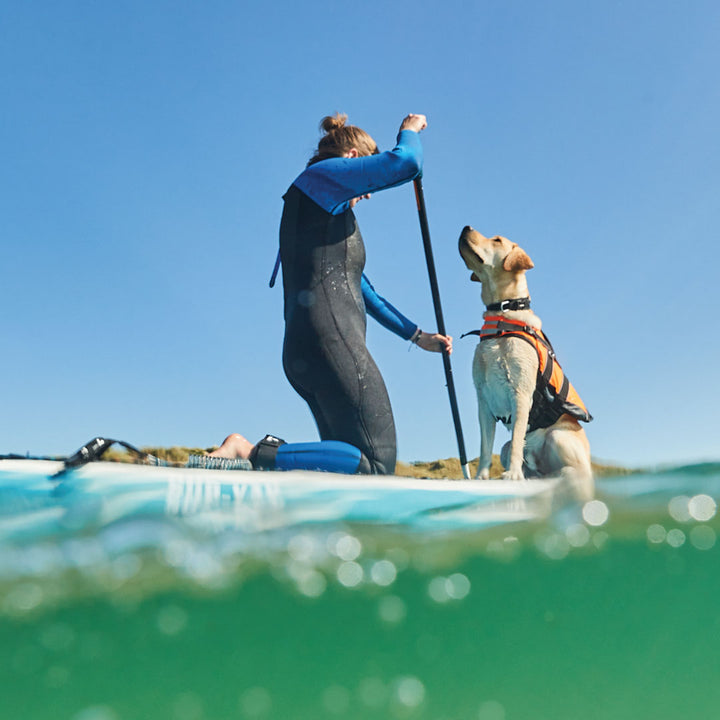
(326, 297)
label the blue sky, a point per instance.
(146, 146)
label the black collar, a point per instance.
(515, 304)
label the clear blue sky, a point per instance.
(145, 147)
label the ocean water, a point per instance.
(518, 611)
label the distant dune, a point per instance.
(450, 468)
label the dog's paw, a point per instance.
(483, 474)
(513, 475)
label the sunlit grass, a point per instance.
(443, 468)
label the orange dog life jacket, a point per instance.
(554, 394)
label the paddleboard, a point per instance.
(33, 501)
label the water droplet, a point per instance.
(457, 586)
(383, 573)
(595, 513)
(24, 597)
(255, 702)
(553, 545)
(347, 547)
(299, 547)
(578, 535)
(410, 691)
(702, 537)
(392, 609)
(437, 589)
(176, 552)
(350, 574)
(312, 583)
(656, 533)
(675, 538)
(702, 507)
(679, 509)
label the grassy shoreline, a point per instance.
(442, 468)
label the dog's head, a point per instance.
(490, 258)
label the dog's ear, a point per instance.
(517, 260)
(475, 278)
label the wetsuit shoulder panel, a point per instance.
(332, 183)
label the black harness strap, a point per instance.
(564, 390)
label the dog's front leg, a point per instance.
(523, 402)
(487, 439)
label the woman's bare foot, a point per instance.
(234, 446)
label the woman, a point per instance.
(327, 297)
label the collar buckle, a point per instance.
(512, 304)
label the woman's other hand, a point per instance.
(435, 343)
(414, 122)
(356, 200)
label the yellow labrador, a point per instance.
(516, 375)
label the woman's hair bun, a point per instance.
(340, 138)
(333, 122)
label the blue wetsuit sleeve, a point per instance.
(332, 183)
(387, 315)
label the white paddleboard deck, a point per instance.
(99, 493)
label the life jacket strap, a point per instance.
(498, 326)
(554, 395)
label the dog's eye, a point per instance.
(497, 239)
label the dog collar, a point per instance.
(515, 304)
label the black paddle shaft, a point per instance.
(425, 230)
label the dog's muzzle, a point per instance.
(465, 247)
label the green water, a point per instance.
(557, 620)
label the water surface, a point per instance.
(597, 611)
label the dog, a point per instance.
(510, 361)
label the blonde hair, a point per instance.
(339, 138)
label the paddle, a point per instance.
(424, 229)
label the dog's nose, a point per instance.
(467, 229)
